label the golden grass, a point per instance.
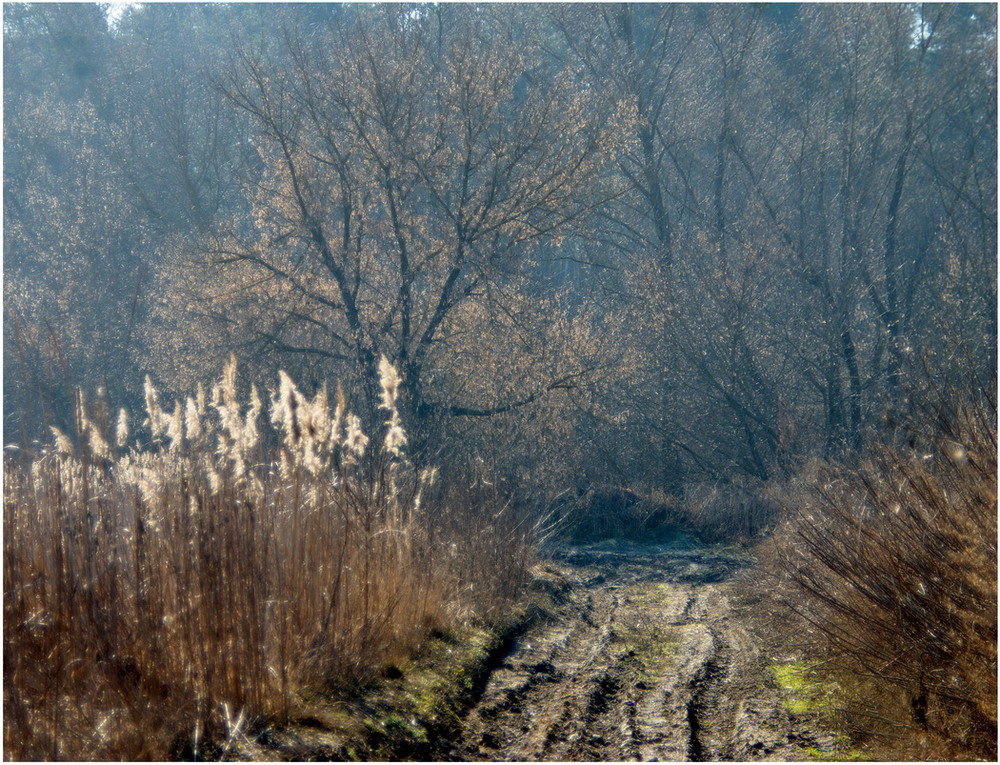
(159, 594)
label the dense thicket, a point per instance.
(641, 245)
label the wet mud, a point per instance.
(644, 658)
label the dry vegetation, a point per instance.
(161, 593)
(735, 511)
(891, 567)
(636, 263)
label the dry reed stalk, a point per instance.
(155, 593)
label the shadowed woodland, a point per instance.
(320, 326)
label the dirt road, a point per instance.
(645, 659)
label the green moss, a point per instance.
(807, 691)
(790, 674)
(837, 755)
(411, 730)
(647, 645)
(425, 703)
(803, 690)
(660, 593)
(650, 646)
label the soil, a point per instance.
(644, 657)
(619, 651)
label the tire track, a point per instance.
(644, 660)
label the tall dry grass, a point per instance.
(162, 592)
(892, 565)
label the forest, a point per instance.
(324, 323)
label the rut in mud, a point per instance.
(645, 660)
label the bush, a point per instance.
(609, 512)
(733, 511)
(157, 597)
(892, 564)
(723, 512)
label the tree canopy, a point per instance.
(626, 243)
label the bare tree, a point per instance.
(410, 163)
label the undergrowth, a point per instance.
(890, 567)
(735, 511)
(169, 586)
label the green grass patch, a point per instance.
(426, 701)
(651, 646)
(647, 643)
(838, 754)
(804, 691)
(659, 593)
(807, 691)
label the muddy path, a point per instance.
(645, 658)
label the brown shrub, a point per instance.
(892, 564)
(733, 511)
(721, 512)
(609, 512)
